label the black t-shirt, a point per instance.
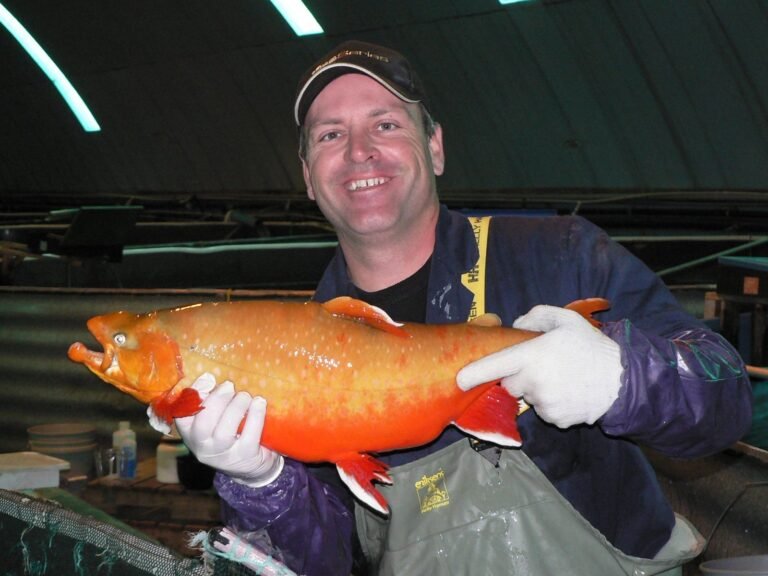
(406, 301)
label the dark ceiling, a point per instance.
(640, 114)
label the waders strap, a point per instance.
(474, 279)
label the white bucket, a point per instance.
(739, 566)
(71, 441)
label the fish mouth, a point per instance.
(101, 363)
(106, 365)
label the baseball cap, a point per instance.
(388, 67)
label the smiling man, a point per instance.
(371, 168)
(579, 497)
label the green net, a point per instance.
(41, 538)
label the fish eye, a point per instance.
(120, 339)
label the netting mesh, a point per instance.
(40, 538)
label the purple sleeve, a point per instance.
(685, 394)
(304, 517)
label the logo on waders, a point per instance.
(432, 491)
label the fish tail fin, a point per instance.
(492, 417)
(589, 306)
(358, 471)
(177, 404)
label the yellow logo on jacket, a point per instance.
(432, 492)
(474, 279)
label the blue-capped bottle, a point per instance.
(124, 444)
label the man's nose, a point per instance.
(360, 146)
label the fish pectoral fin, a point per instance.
(358, 471)
(177, 404)
(368, 314)
(492, 417)
(589, 306)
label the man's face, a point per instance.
(369, 164)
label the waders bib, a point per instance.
(459, 511)
(455, 512)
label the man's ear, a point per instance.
(307, 180)
(436, 151)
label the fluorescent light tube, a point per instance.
(36, 52)
(298, 17)
(511, 1)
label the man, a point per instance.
(579, 497)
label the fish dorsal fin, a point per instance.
(369, 315)
(589, 306)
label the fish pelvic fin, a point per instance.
(492, 417)
(589, 306)
(358, 471)
(368, 314)
(177, 404)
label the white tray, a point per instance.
(27, 470)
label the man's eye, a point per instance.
(328, 136)
(386, 126)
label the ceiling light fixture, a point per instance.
(511, 1)
(36, 52)
(298, 17)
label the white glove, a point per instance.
(571, 374)
(212, 436)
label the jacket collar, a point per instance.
(455, 253)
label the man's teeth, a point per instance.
(366, 183)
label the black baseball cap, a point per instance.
(388, 67)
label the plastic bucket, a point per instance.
(738, 566)
(72, 441)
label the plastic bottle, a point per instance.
(169, 449)
(124, 443)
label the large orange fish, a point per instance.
(341, 379)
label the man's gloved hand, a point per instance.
(212, 436)
(571, 374)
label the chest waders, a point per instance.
(459, 512)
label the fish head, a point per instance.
(138, 357)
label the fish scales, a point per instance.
(341, 379)
(346, 376)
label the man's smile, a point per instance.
(365, 183)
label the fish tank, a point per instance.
(758, 435)
(742, 298)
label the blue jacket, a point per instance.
(685, 392)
